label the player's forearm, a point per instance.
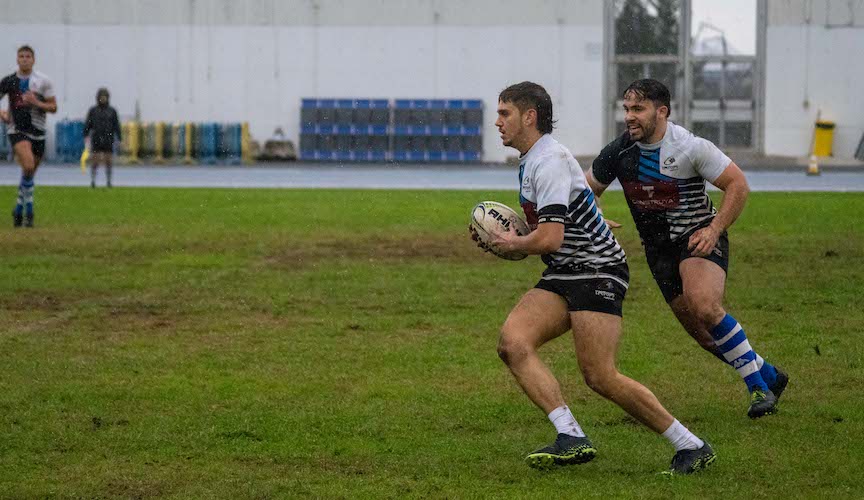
(539, 242)
(48, 107)
(734, 199)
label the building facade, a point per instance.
(254, 60)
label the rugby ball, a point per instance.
(490, 217)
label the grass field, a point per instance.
(278, 343)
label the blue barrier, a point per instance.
(60, 140)
(181, 141)
(76, 140)
(5, 147)
(207, 142)
(69, 140)
(231, 144)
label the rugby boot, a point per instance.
(566, 450)
(761, 403)
(780, 383)
(690, 461)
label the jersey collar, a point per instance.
(536, 147)
(659, 143)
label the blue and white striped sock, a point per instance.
(767, 370)
(25, 194)
(19, 202)
(732, 343)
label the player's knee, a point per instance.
(511, 349)
(601, 381)
(707, 344)
(711, 317)
(707, 316)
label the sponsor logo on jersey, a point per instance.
(652, 197)
(670, 164)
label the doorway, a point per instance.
(710, 54)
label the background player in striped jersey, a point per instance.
(663, 169)
(31, 96)
(582, 289)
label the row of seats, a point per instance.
(402, 130)
(360, 112)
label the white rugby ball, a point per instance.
(492, 217)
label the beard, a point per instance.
(646, 131)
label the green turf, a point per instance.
(298, 343)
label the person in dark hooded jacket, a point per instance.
(102, 128)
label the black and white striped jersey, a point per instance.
(664, 183)
(27, 120)
(553, 188)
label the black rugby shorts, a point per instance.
(585, 289)
(38, 147)
(664, 261)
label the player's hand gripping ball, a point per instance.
(491, 217)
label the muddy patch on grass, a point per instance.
(29, 301)
(407, 248)
(141, 314)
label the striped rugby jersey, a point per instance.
(26, 119)
(664, 183)
(553, 188)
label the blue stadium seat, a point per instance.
(350, 129)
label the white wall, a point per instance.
(254, 60)
(814, 62)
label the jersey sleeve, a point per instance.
(603, 169)
(552, 188)
(708, 160)
(47, 90)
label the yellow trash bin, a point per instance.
(824, 141)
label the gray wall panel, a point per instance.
(821, 12)
(304, 12)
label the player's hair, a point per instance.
(652, 90)
(26, 48)
(529, 95)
